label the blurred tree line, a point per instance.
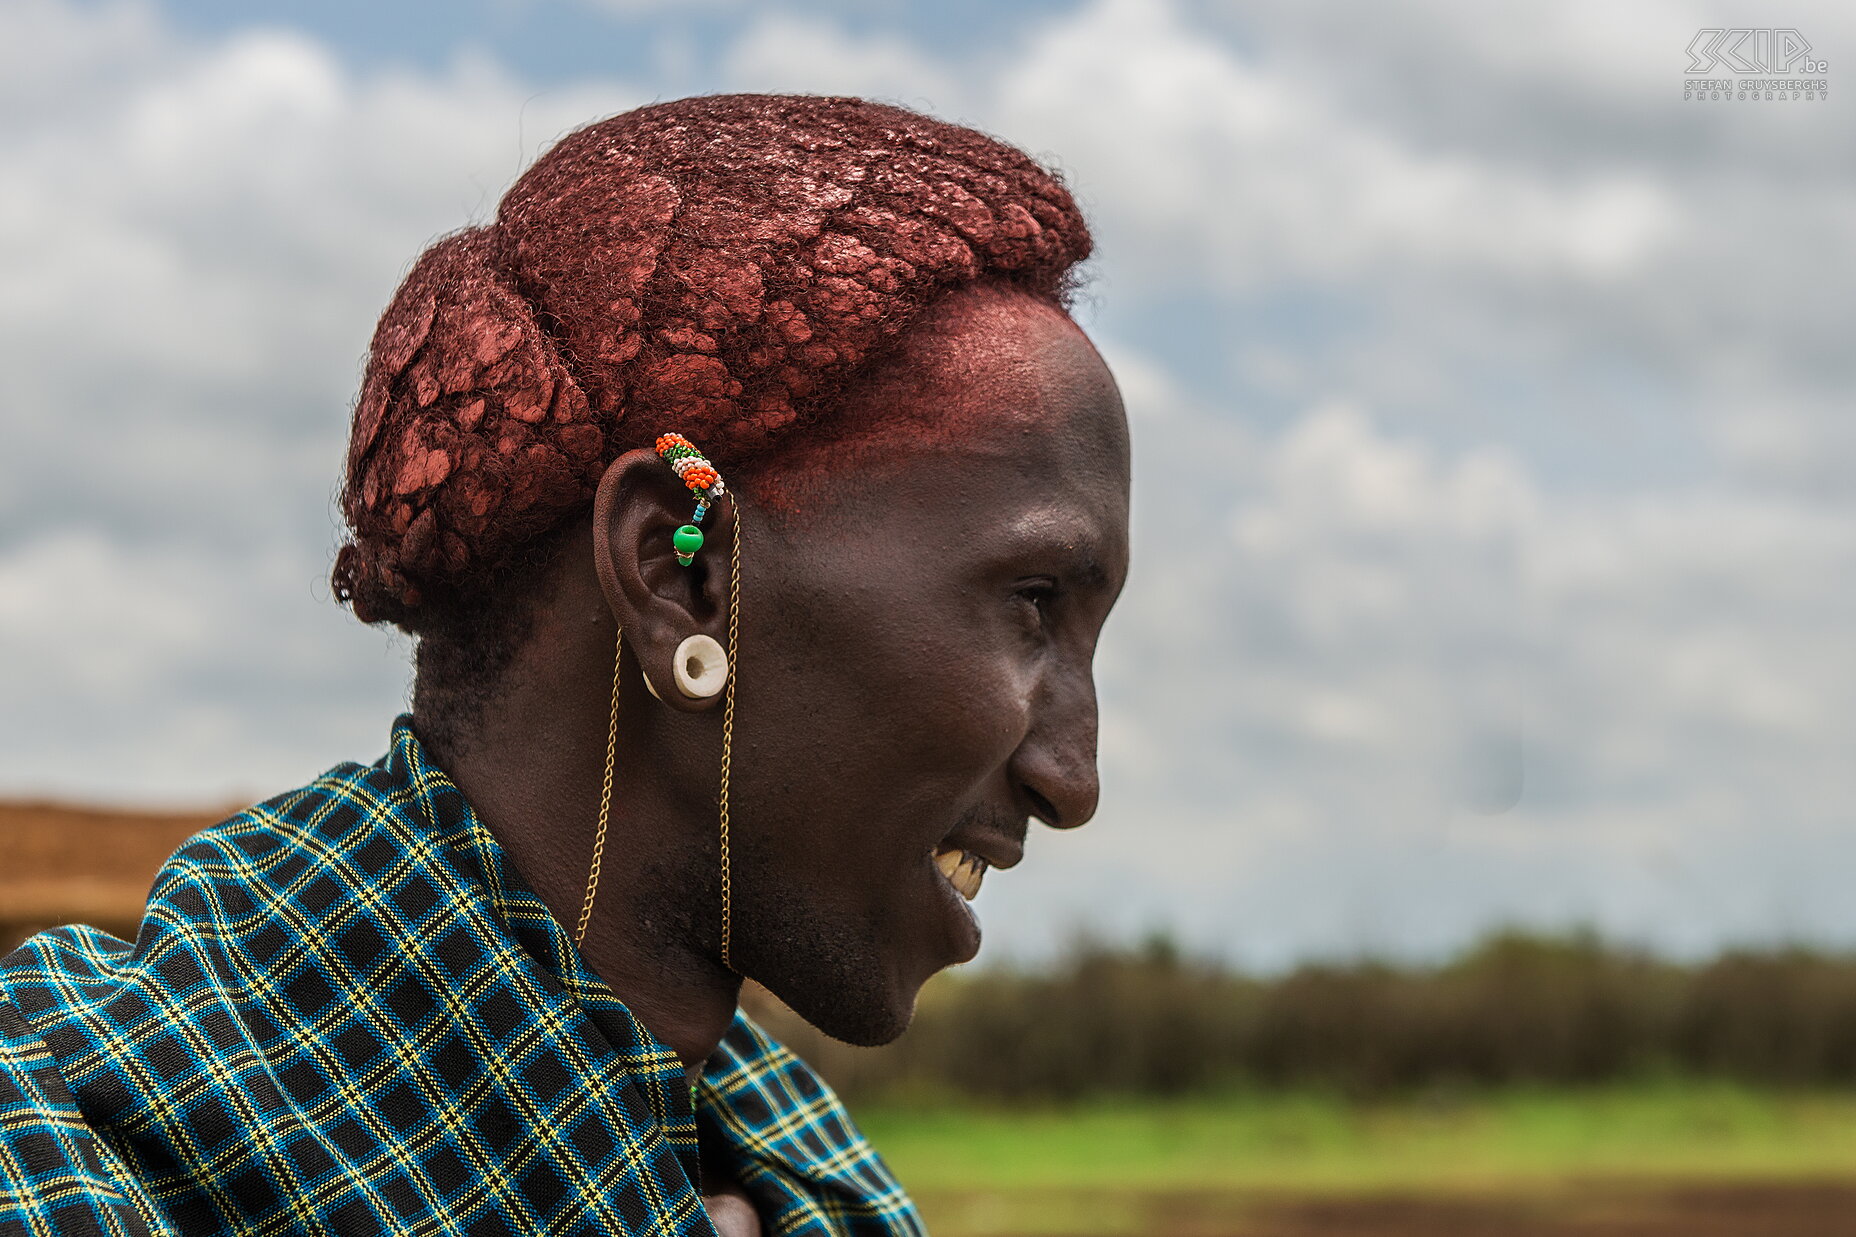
(1518, 1008)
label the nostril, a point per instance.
(1043, 809)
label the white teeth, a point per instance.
(964, 870)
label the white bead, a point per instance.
(701, 666)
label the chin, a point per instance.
(859, 1023)
(836, 980)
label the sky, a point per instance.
(1495, 551)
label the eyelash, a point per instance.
(1041, 595)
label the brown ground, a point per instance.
(1614, 1209)
(61, 864)
(1696, 1211)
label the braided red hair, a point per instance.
(717, 265)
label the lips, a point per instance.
(983, 839)
(963, 869)
(960, 872)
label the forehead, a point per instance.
(996, 427)
(987, 379)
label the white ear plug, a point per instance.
(701, 667)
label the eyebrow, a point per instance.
(1089, 569)
(1063, 538)
(1085, 566)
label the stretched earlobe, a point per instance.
(701, 666)
(632, 551)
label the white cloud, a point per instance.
(1443, 697)
(198, 236)
(1477, 193)
(1516, 583)
(784, 51)
(1202, 156)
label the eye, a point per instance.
(1036, 598)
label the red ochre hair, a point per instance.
(715, 265)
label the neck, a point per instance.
(532, 769)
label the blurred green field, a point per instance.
(1606, 1159)
(1434, 1142)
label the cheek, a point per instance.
(905, 708)
(961, 719)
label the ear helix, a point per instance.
(700, 667)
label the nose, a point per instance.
(1054, 769)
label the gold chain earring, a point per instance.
(605, 794)
(728, 738)
(695, 471)
(728, 728)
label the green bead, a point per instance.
(687, 539)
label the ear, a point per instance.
(656, 601)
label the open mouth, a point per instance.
(963, 869)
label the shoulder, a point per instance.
(794, 1144)
(56, 1176)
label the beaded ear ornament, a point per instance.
(696, 472)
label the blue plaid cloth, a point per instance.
(345, 1014)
